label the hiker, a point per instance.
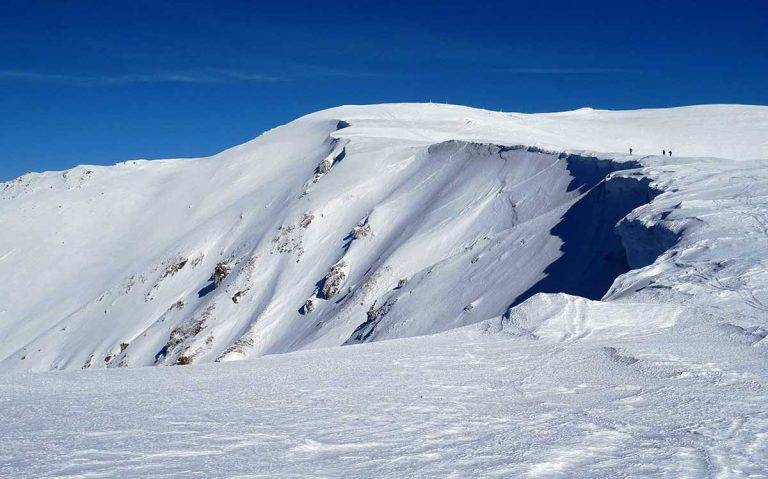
(670, 152)
(630, 151)
(663, 152)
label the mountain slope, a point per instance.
(363, 223)
(552, 308)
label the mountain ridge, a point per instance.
(301, 237)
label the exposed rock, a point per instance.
(88, 362)
(184, 360)
(307, 219)
(177, 305)
(401, 283)
(169, 271)
(333, 280)
(237, 350)
(175, 268)
(336, 155)
(308, 307)
(183, 333)
(324, 166)
(220, 273)
(239, 295)
(374, 315)
(361, 230)
(288, 240)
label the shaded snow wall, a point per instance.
(593, 253)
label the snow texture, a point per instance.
(555, 307)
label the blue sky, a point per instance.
(102, 81)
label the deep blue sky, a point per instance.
(102, 81)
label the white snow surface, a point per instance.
(554, 307)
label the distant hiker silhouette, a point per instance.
(630, 151)
(663, 152)
(670, 152)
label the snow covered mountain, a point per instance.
(554, 307)
(363, 223)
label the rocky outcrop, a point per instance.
(239, 295)
(183, 334)
(361, 230)
(220, 273)
(337, 154)
(374, 316)
(333, 281)
(308, 306)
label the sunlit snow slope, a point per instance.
(364, 223)
(554, 307)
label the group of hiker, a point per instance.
(663, 152)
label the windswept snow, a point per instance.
(685, 401)
(556, 307)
